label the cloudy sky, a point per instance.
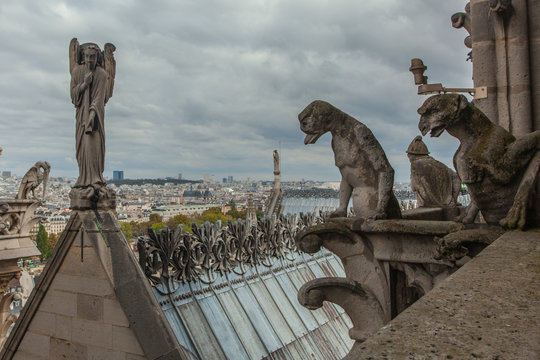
(213, 86)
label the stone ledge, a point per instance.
(489, 309)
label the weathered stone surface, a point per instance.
(60, 302)
(91, 333)
(114, 314)
(44, 323)
(366, 174)
(487, 309)
(90, 307)
(124, 340)
(92, 81)
(39, 173)
(35, 344)
(434, 183)
(76, 310)
(61, 349)
(499, 170)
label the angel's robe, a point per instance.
(90, 147)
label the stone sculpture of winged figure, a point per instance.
(92, 82)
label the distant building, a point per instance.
(6, 174)
(230, 179)
(179, 176)
(118, 175)
(224, 180)
(208, 178)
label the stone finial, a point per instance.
(357, 153)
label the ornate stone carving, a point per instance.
(371, 250)
(359, 303)
(92, 81)
(434, 183)
(499, 169)
(463, 20)
(39, 173)
(171, 257)
(366, 174)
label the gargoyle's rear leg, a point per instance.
(517, 215)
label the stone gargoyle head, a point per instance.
(440, 112)
(317, 119)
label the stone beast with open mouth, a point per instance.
(499, 170)
(366, 174)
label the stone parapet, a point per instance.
(488, 309)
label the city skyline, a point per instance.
(216, 88)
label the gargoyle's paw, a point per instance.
(379, 216)
(516, 217)
(339, 213)
(468, 219)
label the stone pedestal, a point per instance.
(92, 197)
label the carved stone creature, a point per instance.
(434, 183)
(92, 82)
(39, 173)
(499, 170)
(365, 171)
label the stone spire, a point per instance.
(273, 206)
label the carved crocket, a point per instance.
(365, 171)
(500, 171)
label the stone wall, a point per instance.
(506, 59)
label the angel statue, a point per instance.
(92, 82)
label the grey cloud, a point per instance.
(214, 87)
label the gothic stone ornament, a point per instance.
(92, 81)
(169, 257)
(366, 174)
(39, 173)
(364, 294)
(499, 170)
(434, 183)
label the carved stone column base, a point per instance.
(92, 197)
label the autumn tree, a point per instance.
(180, 219)
(212, 215)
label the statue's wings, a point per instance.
(73, 54)
(110, 67)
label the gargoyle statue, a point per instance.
(33, 178)
(434, 183)
(499, 170)
(365, 171)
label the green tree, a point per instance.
(158, 226)
(127, 229)
(173, 222)
(212, 215)
(155, 218)
(53, 240)
(42, 242)
(235, 214)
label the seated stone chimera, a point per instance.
(366, 174)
